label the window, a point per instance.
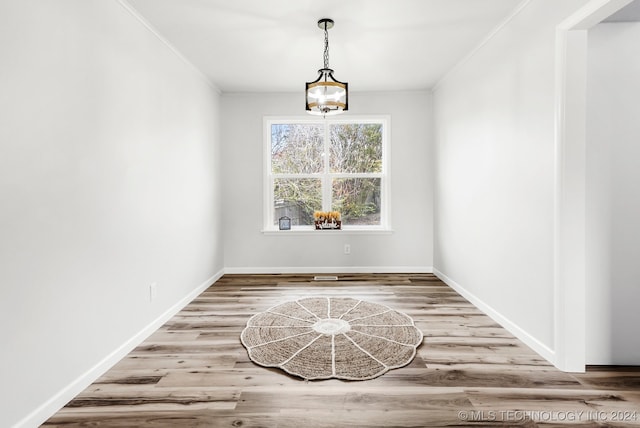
(326, 165)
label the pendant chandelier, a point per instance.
(326, 96)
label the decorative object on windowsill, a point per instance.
(284, 223)
(329, 220)
(326, 96)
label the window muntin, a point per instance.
(328, 165)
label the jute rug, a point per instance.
(331, 337)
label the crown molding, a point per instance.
(137, 15)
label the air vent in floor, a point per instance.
(325, 278)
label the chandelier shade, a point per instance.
(326, 95)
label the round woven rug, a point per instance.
(331, 337)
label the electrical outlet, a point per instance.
(347, 249)
(153, 291)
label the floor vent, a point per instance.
(325, 278)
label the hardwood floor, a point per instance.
(194, 372)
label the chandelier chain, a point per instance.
(326, 46)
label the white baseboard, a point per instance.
(336, 269)
(542, 349)
(51, 406)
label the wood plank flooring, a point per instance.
(194, 372)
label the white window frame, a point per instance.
(326, 176)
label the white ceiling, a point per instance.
(629, 13)
(276, 45)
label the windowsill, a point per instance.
(344, 231)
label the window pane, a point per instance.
(296, 198)
(357, 199)
(296, 148)
(356, 147)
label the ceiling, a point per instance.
(276, 45)
(629, 13)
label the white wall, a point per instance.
(109, 154)
(408, 248)
(494, 202)
(613, 199)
